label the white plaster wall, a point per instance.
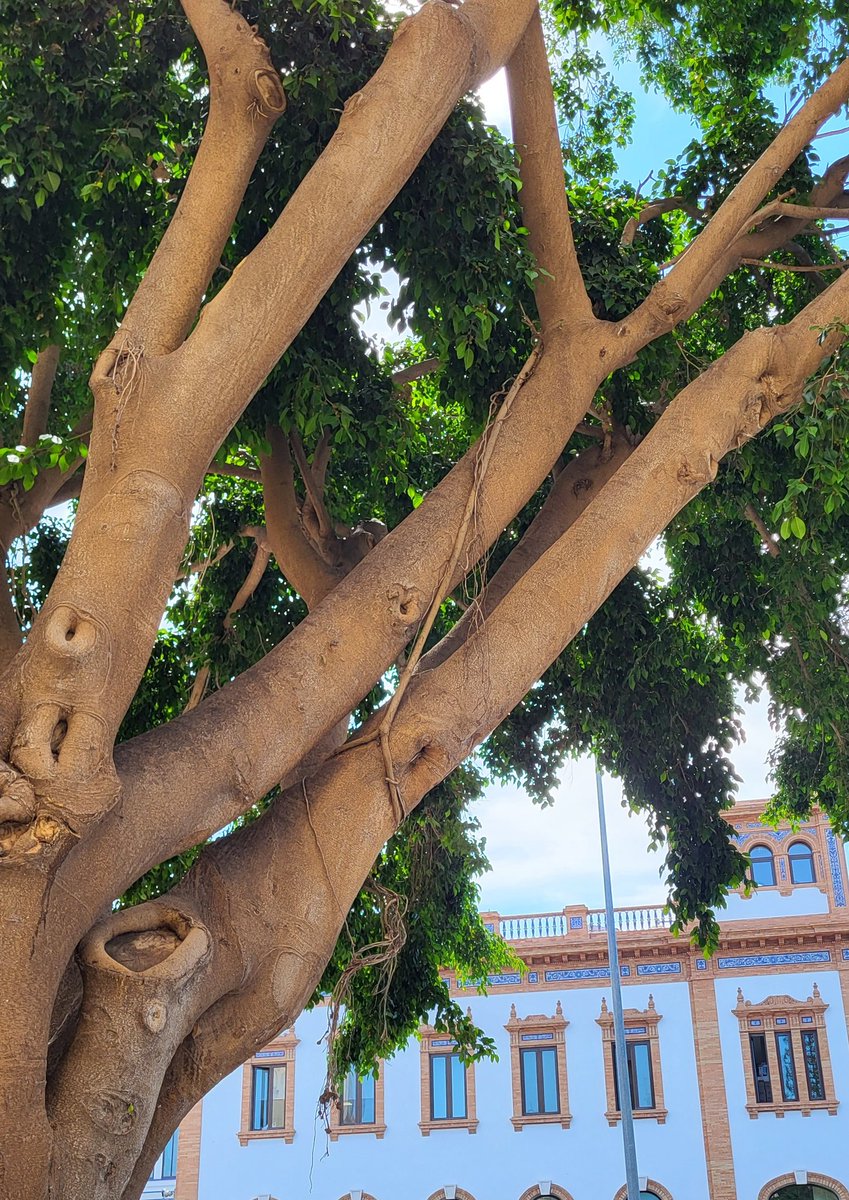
(802, 902)
(771, 1146)
(496, 1163)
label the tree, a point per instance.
(300, 678)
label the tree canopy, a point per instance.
(280, 598)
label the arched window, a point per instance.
(763, 866)
(651, 1191)
(803, 1191)
(804, 1185)
(801, 863)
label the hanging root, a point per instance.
(126, 377)
(483, 457)
(382, 958)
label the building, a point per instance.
(738, 1065)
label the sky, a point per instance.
(544, 859)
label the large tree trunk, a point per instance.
(115, 1023)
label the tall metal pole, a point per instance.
(625, 1108)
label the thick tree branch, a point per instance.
(717, 248)
(437, 54)
(245, 99)
(573, 489)
(560, 292)
(298, 559)
(767, 538)
(656, 209)
(10, 630)
(158, 423)
(38, 401)
(337, 826)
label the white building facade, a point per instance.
(738, 1067)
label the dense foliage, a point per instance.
(99, 126)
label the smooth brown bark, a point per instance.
(190, 984)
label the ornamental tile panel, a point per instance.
(774, 960)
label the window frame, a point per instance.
(435, 1043)
(772, 1017)
(337, 1128)
(761, 860)
(630, 1045)
(279, 1052)
(808, 857)
(641, 1025)
(172, 1150)
(535, 1033)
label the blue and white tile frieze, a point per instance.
(576, 922)
(672, 968)
(701, 964)
(836, 873)
(774, 960)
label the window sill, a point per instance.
(562, 1119)
(449, 1123)
(263, 1135)
(337, 1131)
(640, 1114)
(805, 1107)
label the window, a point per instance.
(539, 1082)
(268, 1085)
(763, 866)
(538, 1066)
(165, 1166)
(760, 1068)
(801, 858)
(803, 1191)
(642, 1051)
(447, 1086)
(268, 1097)
(639, 1074)
(785, 1054)
(357, 1100)
(360, 1107)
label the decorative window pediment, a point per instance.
(538, 1069)
(785, 1055)
(645, 1078)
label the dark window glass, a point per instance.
(639, 1074)
(803, 1191)
(763, 866)
(801, 863)
(166, 1165)
(447, 1087)
(786, 1066)
(357, 1100)
(813, 1064)
(540, 1092)
(760, 1068)
(268, 1097)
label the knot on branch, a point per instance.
(405, 603)
(114, 1112)
(25, 830)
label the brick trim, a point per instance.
(335, 1128)
(716, 1128)
(767, 1014)
(534, 1193)
(188, 1155)
(817, 1180)
(646, 1019)
(459, 1194)
(554, 1029)
(428, 1036)
(283, 1049)
(652, 1185)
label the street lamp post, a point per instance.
(625, 1107)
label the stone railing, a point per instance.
(577, 921)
